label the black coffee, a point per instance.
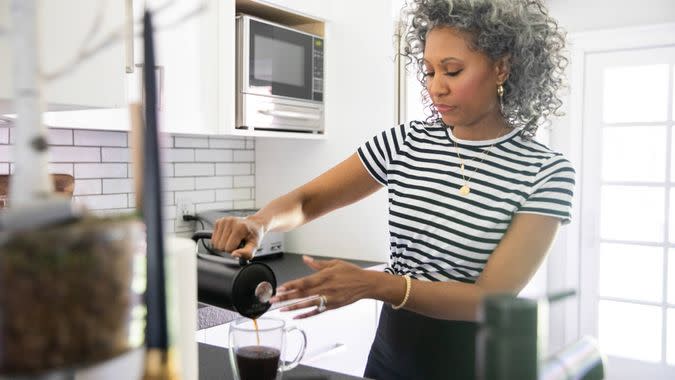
(257, 362)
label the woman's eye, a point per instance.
(428, 74)
(453, 73)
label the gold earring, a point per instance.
(500, 92)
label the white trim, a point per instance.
(566, 136)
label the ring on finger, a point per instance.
(323, 303)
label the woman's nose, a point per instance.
(436, 87)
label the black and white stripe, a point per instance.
(436, 234)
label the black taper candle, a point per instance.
(156, 329)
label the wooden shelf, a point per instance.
(280, 15)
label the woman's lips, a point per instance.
(442, 108)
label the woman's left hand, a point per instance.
(339, 283)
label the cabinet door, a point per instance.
(187, 64)
(66, 27)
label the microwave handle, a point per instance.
(289, 115)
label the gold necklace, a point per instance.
(464, 190)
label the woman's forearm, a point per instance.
(283, 213)
(442, 300)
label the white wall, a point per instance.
(584, 15)
(359, 99)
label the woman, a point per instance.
(474, 202)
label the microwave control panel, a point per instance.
(317, 75)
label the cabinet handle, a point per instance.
(129, 40)
(290, 115)
(160, 85)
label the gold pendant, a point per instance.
(464, 190)
(461, 166)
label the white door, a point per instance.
(628, 211)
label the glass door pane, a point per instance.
(622, 84)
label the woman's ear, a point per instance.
(503, 68)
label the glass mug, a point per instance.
(255, 354)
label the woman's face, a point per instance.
(462, 82)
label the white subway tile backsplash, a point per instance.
(98, 202)
(116, 154)
(100, 170)
(193, 170)
(179, 183)
(213, 155)
(167, 170)
(87, 187)
(165, 140)
(238, 205)
(213, 182)
(233, 169)
(244, 156)
(4, 135)
(197, 196)
(169, 212)
(169, 227)
(190, 142)
(61, 169)
(227, 143)
(233, 194)
(168, 198)
(74, 154)
(228, 205)
(244, 181)
(100, 138)
(177, 155)
(116, 186)
(115, 211)
(56, 136)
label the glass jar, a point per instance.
(71, 295)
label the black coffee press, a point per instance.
(245, 287)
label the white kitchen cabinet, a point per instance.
(194, 44)
(66, 28)
(195, 64)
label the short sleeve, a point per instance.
(552, 191)
(377, 153)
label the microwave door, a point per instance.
(279, 61)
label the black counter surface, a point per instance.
(287, 267)
(214, 364)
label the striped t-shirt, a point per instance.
(436, 233)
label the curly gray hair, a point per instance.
(521, 28)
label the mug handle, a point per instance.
(301, 353)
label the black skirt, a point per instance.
(410, 346)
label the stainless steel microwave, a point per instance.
(279, 77)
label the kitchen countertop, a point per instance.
(287, 267)
(214, 364)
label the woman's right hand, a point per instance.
(230, 232)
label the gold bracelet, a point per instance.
(408, 284)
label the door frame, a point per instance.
(563, 271)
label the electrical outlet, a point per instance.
(184, 206)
